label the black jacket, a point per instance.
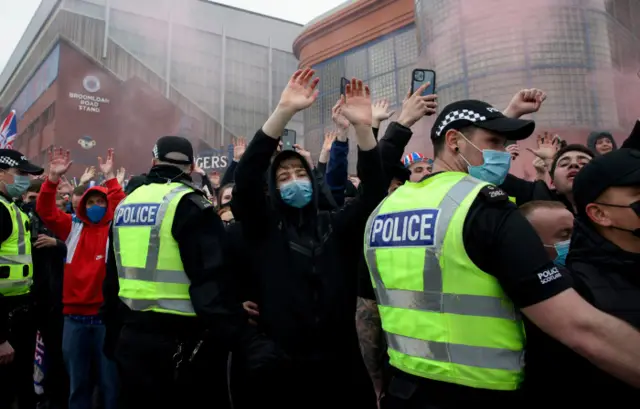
(202, 241)
(48, 273)
(607, 277)
(301, 260)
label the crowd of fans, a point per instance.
(284, 303)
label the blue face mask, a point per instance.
(95, 213)
(296, 193)
(495, 166)
(19, 186)
(562, 249)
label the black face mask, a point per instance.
(635, 206)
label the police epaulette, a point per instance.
(493, 194)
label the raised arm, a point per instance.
(54, 219)
(115, 194)
(357, 109)
(249, 201)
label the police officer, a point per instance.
(16, 271)
(168, 254)
(453, 262)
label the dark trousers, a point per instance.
(56, 380)
(317, 385)
(149, 379)
(16, 379)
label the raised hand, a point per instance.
(357, 105)
(106, 166)
(304, 153)
(329, 138)
(65, 186)
(59, 163)
(89, 173)
(336, 115)
(300, 92)
(239, 146)
(514, 150)
(380, 111)
(120, 175)
(548, 145)
(539, 165)
(415, 106)
(526, 101)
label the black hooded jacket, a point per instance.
(299, 259)
(608, 278)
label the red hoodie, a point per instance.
(87, 245)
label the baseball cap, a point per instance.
(14, 159)
(174, 149)
(415, 157)
(469, 112)
(617, 168)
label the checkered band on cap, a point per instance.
(459, 115)
(5, 160)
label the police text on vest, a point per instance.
(404, 229)
(139, 214)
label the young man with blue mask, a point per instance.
(453, 319)
(299, 256)
(554, 224)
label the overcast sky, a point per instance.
(16, 14)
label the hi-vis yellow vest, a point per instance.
(150, 269)
(443, 317)
(16, 265)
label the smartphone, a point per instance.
(343, 85)
(288, 139)
(419, 77)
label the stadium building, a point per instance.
(90, 75)
(583, 53)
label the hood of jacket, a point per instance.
(81, 211)
(589, 247)
(289, 214)
(594, 136)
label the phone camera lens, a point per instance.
(419, 76)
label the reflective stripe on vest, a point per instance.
(433, 299)
(17, 283)
(150, 273)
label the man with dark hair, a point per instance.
(564, 165)
(451, 319)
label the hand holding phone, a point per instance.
(421, 76)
